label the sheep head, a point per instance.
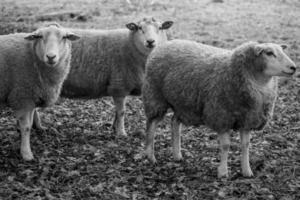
(148, 33)
(275, 60)
(51, 43)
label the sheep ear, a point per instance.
(32, 36)
(72, 36)
(167, 24)
(132, 26)
(283, 46)
(258, 50)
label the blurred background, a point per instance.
(220, 22)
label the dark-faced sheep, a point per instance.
(32, 69)
(112, 63)
(223, 89)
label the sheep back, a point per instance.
(104, 63)
(199, 83)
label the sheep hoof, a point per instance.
(39, 128)
(222, 175)
(27, 156)
(121, 133)
(222, 172)
(151, 158)
(178, 157)
(248, 173)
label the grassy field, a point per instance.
(79, 157)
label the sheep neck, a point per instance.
(50, 76)
(261, 79)
(255, 75)
(253, 80)
(253, 89)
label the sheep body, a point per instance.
(207, 85)
(112, 63)
(105, 63)
(223, 89)
(24, 78)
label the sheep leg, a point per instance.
(176, 140)
(224, 140)
(25, 120)
(118, 124)
(245, 143)
(37, 121)
(150, 134)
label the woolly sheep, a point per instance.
(112, 63)
(32, 69)
(223, 89)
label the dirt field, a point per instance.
(78, 156)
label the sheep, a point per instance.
(112, 63)
(32, 69)
(222, 89)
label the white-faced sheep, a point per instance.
(222, 89)
(112, 63)
(32, 69)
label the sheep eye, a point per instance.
(38, 36)
(270, 53)
(141, 29)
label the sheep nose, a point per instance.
(51, 57)
(293, 68)
(150, 42)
